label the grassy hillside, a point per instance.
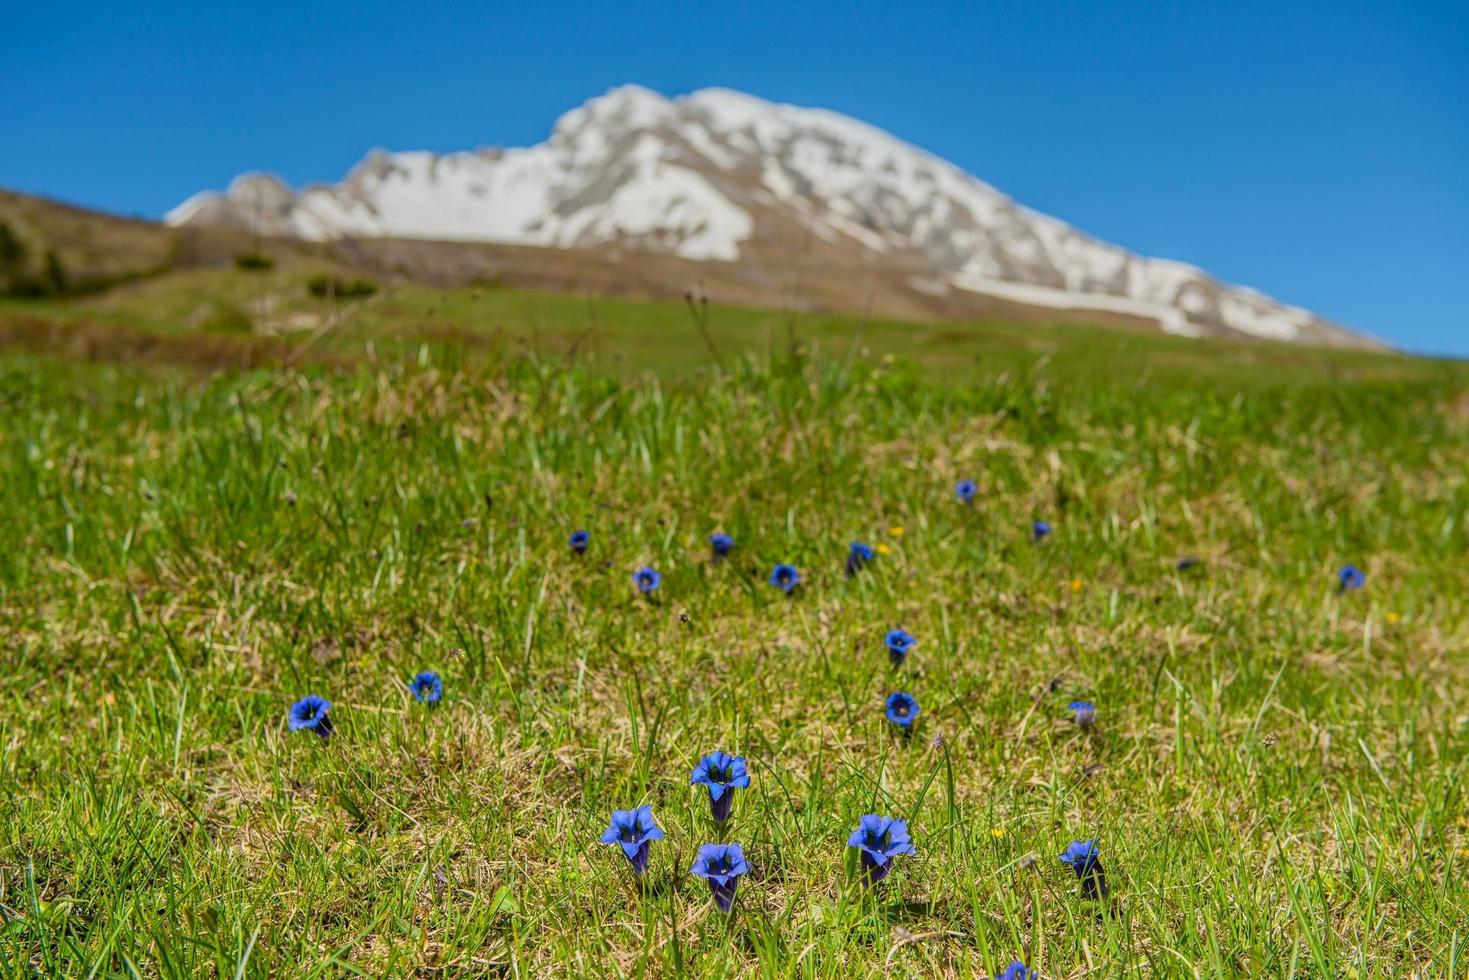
(222, 315)
(1275, 778)
(48, 248)
(53, 250)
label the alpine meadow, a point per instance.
(951, 491)
(923, 650)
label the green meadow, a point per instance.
(200, 527)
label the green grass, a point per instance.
(1276, 778)
(632, 336)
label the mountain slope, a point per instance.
(719, 175)
(49, 248)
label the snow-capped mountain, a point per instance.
(717, 175)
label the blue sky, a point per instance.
(1317, 151)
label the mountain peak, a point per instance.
(626, 106)
(716, 173)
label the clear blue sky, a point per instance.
(1317, 151)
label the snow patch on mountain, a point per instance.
(702, 175)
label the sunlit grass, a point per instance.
(1275, 775)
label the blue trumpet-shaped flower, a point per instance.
(1350, 579)
(898, 643)
(579, 541)
(1085, 860)
(902, 709)
(722, 774)
(427, 687)
(721, 865)
(632, 830)
(965, 490)
(785, 577)
(858, 556)
(647, 580)
(878, 840)
(1084, 711)
(721, 544)
(1080, 855)
(310, 714)
(1039, 530)
(1016, 971)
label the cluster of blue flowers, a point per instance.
(721, 865)
(313, 712)
(878, 840)
(783, 576)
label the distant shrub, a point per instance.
(12, 250)
(54, 274)
(323, 285)
(226, 318)
(26, 287)
(254, 262)
(491, 282)
(23, 276)
(50, 281)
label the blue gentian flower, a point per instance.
(311, 714)
(1187, 562)
(579, 540)
(858, 556)
(722, 774)
(647, 580)
(721, 544)
(878, 840)
(785, 577)
(1016, 971)
(1081, 855)
(1085, 712)
(721, 865)
(965, 490)
(1350, 578)
(1085, 861)
(1039, 529)
(898, 643)
(427, 687)
(902, 709)
(633, 829)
